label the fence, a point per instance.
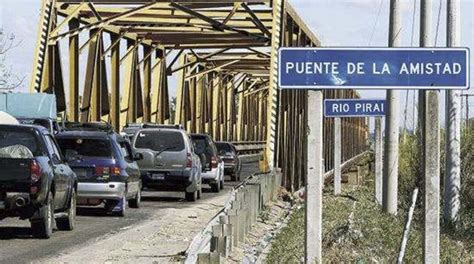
(230, 226)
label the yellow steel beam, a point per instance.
(196, 75)
(103, 22)
(44, 27)
(73, 73)
(115, 96)
(90, 79)
(256, 20)
(147, 51)
(72, 15)
(180, 95)
(273, 88)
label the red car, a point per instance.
(232, 164)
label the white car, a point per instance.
(213, 165)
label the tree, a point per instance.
(8, 80)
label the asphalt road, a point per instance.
(18, 246)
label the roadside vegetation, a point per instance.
(355, 229)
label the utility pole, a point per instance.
(378, 160)
(452, 179)
(314, 181)
(431, 146)
(337, 156)
(390, 172)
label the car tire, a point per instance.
(123, 210)
(199, 193)
(43, 227)
(215, 187)
(67, 223)
(135, 202)
(191, 196)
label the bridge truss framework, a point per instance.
(223, 52)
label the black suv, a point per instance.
(36, 182)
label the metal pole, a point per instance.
(452, 180)
(467, 111)
(314, 187)
(431, 152)
(390, 184)
(378, 160)
(406, 232)
(337, 156)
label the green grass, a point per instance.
(373, 236)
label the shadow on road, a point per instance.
(162, 199)
(7, 233)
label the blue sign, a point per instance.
(373, 68)
(353, 108)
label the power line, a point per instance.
(438, 22)
(375, 23)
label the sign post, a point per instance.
(337, 155)
(358, 68)
(314, 186)
(378, 160)
(338, 108)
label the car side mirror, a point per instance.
(137, 156)
(55, 158)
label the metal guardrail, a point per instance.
(249, 147)
(230, 226)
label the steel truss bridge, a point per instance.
(223, 54)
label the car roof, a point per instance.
(85, 134)
(224, 143)
(161, 129)
(36, 127)
(200, 135)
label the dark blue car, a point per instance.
(106, 169)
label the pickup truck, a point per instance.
(36, 182)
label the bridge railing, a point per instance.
(249, 151)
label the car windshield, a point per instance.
(18, 144)
(201, 145)
(38, 122)
(224, 149)
(160, 140)
(86, 147)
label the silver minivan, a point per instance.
(169, 162)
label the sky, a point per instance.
(335, 22)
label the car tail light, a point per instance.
(189, 160)
(107, 170)
(33, 189)
(213, 162)
(35, 171)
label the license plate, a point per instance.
(158, 176)
(81, 173)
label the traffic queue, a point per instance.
(47, 169)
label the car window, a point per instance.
(160, 140)
(87, 147)
(126, 150)
(18, 144)
(202, 145)
(51, 144)
(224, 148)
